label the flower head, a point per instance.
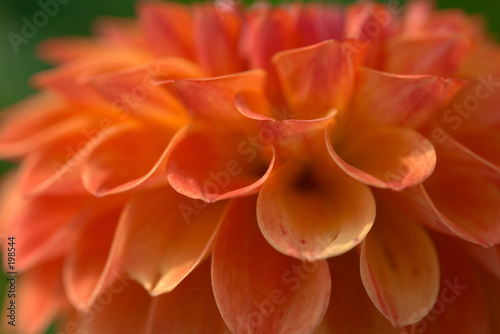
(292, 169)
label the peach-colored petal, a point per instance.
(188, 309)
(394, 158)
(318, 78)
(216, 32)
(439, 55)
(403, 100)
(488, 258)
(266, 292)
(85, 262)
(167, 29)
(350, 303)
(164, 236)
(314, 212)
(123, 158)
(399, 268)
(208, 166)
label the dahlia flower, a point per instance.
(303, 168)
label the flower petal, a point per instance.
(314, 212)
(34, 122)
(394, 158)
(401, 100)
(216, 32)
(350, 303)
(86, 260)
(164, 236)
(209, 166)
(167, 29)
(213, 99)
(123, 158)
(319, 22)
(57, 221)
(461, 306)
(318, 78)
(278, 295)
(432, 54)
(188, 309)
(122, 308)
(399, 268)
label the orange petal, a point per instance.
(65, 49)
(317, 78)
(188, 309)
(123, 159)
(34, 122)
(350, 303)
(399, 268)
(167, 29)
(267, 32)
(68, 80)
(431, 54)
(216, 37)
(461, 306)
(259, 290)
(394, 158)
(209, 166)
(164, 236)
(403, 100)
(466, 197)
(85, 261)
(314, 212)
(55, 167)
(319, 22)
(122, 308)
(213, 99)
(57, 222)
(371, 24)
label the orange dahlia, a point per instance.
(305, 168)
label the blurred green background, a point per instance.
(76, 17)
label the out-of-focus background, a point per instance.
(75, 17)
